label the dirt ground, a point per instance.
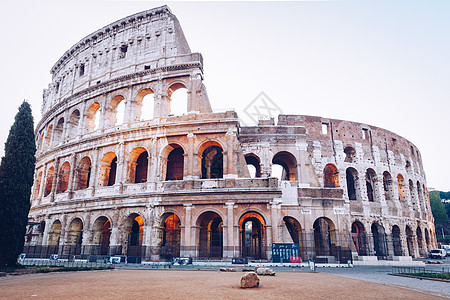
(165, 284)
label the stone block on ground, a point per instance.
(265, 272)
(227, 270)
(249, 280)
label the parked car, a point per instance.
(438, 253)
(446, 248)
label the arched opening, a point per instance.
(138, 166)
(83, 173)
(63, 181)
(210, 241)
(351, 176)
(387, 186)
(252, 229)
(295, 232)
(101, 231)
(48, 137)
(212, 162)
(171, 236)
(175, 163)
(73, 123)
(350, 154)
(330, 176)
(410, 241)
(420, 196)
(108, 169)
(116, 111)
(412, 194)
(396, 241)
(401, 188)
(420, 241)
(41, 141)
(37, 185)
(253, 165)
(324, 237)
(178, 99)
(54, 235)
(289, 164)
(75, 236)
(59, 130)
(135, 229)
(49, 181)
(379, 240)
(92, 116)
(359, 238)
(144, 105)
(427, 240)
(371, 180)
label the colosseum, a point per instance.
(111, 179)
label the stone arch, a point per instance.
(324, 236)
(359, 238)
(371, 182)
(75, 235)
(397, 241)
(72, 124)
(113, 109)
(63, 180)
(54, 235)
(133, 228)
(289, 164)
(401, 187)
(59, 130)
(41, 141)
(379, 240)
(352, 183)
(294, 228)
(48, 136)
(108, 169)
(412, 194)
(174, 153)
(210, 235)
(211, 160)
(178, 98)
(253, 164)
(330, 176)
(410, 241)
(252, 227)
(388, 187)
(49, 181)
(420, 241)
(350, 154)
(92, 116)
(83, 173)
(137, 165)
(427, 240)
(101, 233)
(144, 105)
(170, 235)
(37, 185)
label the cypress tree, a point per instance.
(16, 179)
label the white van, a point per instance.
(438, 253)
(446, 248)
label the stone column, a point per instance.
(43, 183)
(274, 208)
(46, 231)
(121, 165)
(228, 163)
(187, 247)
(82, 120)
(229, 246)
(129, 104)
(73, 174)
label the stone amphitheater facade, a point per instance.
(180, 185)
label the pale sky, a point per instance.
(382, 63)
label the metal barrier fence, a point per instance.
(63, 263)
(422, 272)
(328, 247)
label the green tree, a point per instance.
(437, 208)
(16, 179)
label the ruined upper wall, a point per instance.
(144, 41)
